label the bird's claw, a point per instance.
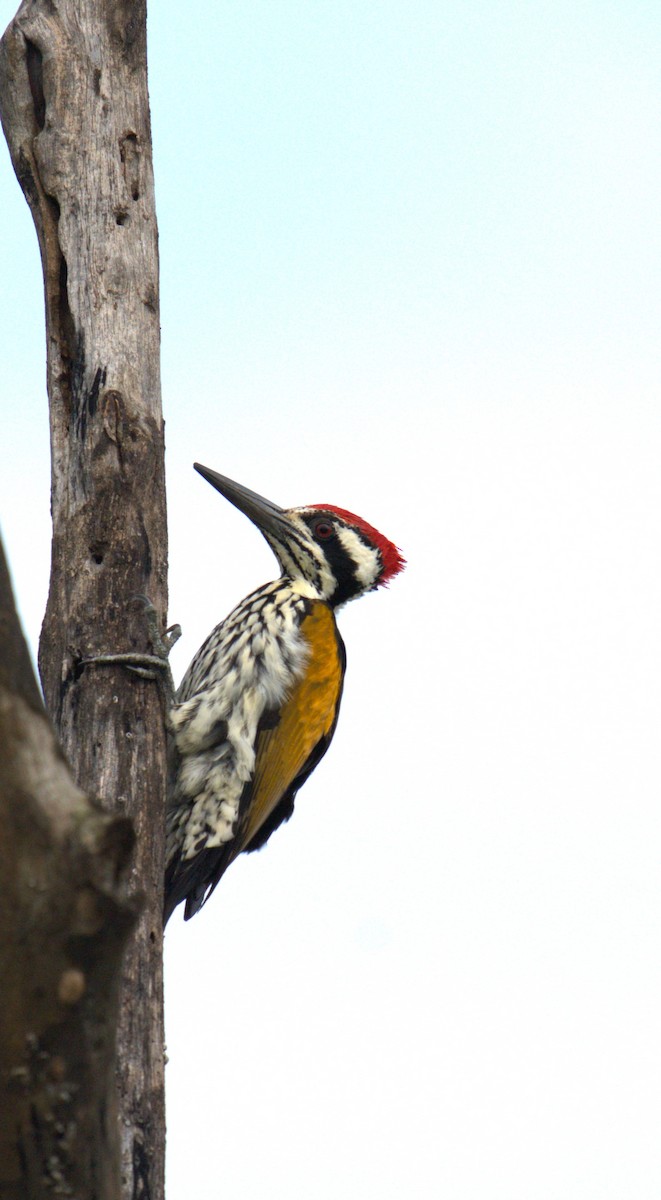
(155, 666)
(161, 643)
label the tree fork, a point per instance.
(64, 920)
(75, 112)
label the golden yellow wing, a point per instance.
(288, 752)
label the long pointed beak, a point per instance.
(268, 517)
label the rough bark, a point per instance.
(74, 107)
(63, 924)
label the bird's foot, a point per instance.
(148, 666)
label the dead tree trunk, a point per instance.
(75, 111)
(63, 927)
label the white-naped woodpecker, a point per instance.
(257, 708)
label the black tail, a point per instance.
(195, 879)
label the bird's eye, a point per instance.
(322, 529)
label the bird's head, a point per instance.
(337, 553)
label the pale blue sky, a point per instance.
(410, 265)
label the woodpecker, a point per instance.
(257, 707)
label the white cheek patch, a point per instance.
(366, 558)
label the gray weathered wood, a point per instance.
(74, 107)
(64, 920)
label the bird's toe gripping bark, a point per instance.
(148, 666)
